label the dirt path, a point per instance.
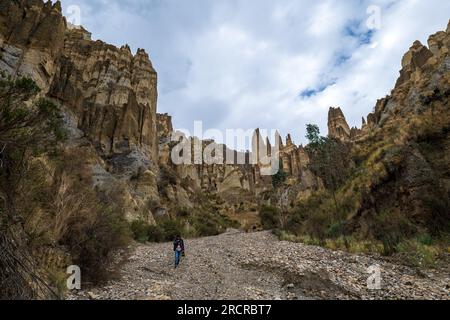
(254, 266)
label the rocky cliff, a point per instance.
(108, 94)
(399, 185)
(109, 97)
(111, 92)
(32, 37)
(411, 128)
(117, 160)
(242, 184)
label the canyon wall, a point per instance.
(109, 98)
(108, 95)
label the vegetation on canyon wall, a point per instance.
(366, 203)
(50, 215)
(386, 188)
(86, 163)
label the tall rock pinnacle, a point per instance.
(337, 125)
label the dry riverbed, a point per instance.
(256, 266)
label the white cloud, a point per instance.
(245, 63)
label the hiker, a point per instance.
(178, 247)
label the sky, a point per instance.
(245, 64)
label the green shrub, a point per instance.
(208, 228)
(270, 217)
(285, 236)
(310, 241)
(391, 228)
(197, 224)
(207, 224)
(91, 243)
(166, 230)
(426, 240)
(58, 279)
(437, 204)
(171, 228)
(318, 224)
(155, 234)
(295, 222)
(336, 244)
(279, 178)
(418, 254)
(140, 230)
(335, 229)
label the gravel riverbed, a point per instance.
(257, 266)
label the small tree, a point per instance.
(28, 128)
(313, 136)
(279, 178)
(270, 217)
(330, 160)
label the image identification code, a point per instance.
(226, 310)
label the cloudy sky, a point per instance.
(265, 63)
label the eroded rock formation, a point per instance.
(31, 39)
(337, 125)
(109, 95)
(110, 99)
